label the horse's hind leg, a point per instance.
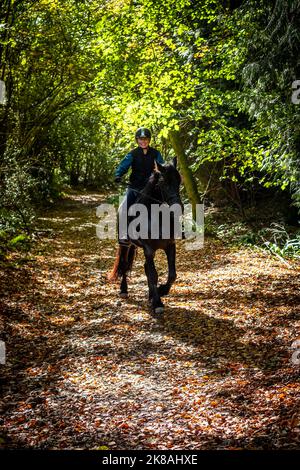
(170, 251)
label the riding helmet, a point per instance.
(143, 132)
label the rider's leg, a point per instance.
(129, 199)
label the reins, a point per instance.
(146, 195)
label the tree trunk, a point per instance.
(188, 178)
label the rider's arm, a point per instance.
(124, 165)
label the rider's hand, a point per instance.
(118, 179)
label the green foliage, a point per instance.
(277, 239)
(18, 187)
(21, 241)
(83, 146)
(81, 76)
(271, 66)
(16, 205)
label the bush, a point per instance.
(16, 207)
(277, 239)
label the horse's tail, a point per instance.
(123, 262)
(113, 274)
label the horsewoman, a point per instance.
(145, 187)
(142, 162)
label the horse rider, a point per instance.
(142, 162)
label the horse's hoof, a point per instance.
(123, 295)
(159, 310)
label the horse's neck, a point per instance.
(149, 195)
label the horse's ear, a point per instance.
(174, 162)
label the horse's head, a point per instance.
(169, 182)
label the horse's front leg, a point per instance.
(152, 278)
(124, 287)
(170, 251)
(123, 269)
(150, 295)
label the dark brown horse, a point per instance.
(161, 188)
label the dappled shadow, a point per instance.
(87, 369)
(221, 339)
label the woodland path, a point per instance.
(86, 370)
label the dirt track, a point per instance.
(86, 370)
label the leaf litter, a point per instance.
(87, 370)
